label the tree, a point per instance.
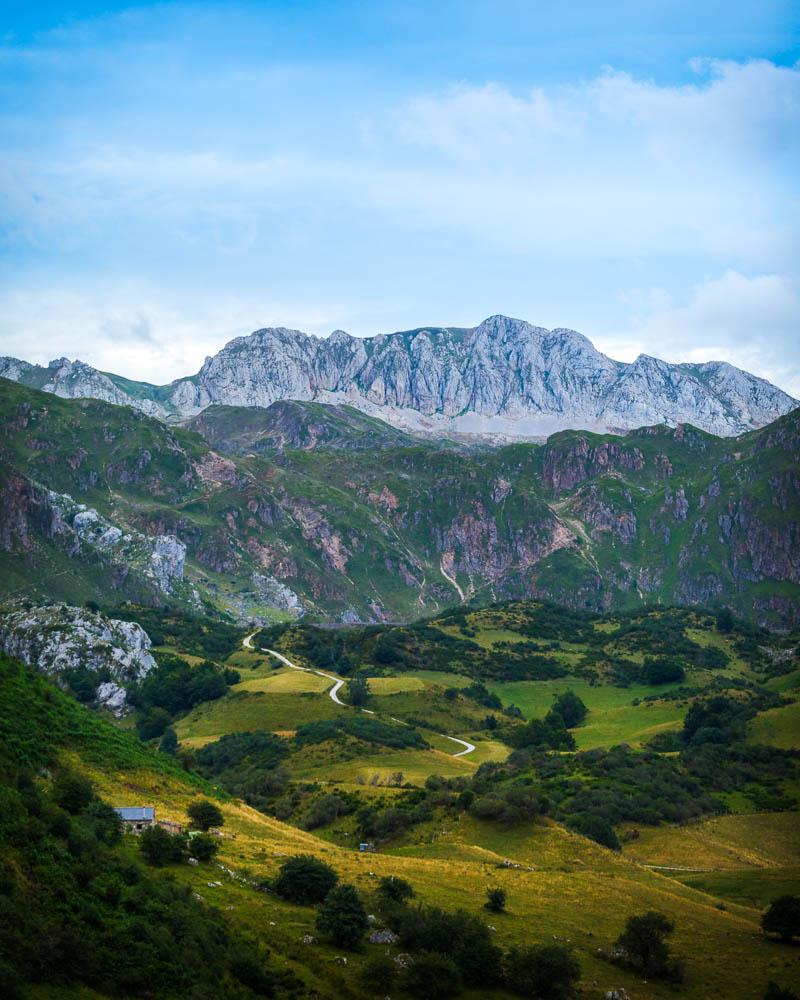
(725, 620)
(304, 879)
(783, 918)
(203, 847)
(169, 742)
(379, 973)
(596, 828)
(153, 723)
(159, 847)
(357, 691)
(342, 916)
(571, 709)
(495, 900)
(547, 972)
(205, 814)
(395, 889)
(431, 976)
(644, 944)
(72, 791)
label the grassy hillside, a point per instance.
(566, 887)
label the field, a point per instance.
(779, 727)
(576, 891)
(613, 717)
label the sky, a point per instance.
(173, 175)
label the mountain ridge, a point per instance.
(316, 509)
(505, 378)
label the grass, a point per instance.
(778, 727)
(247, 711)
(612, 718)
(577, 890)
(757, 840)
(574, 888)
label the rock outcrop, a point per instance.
(58, 639)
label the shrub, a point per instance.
(783, 918)
(643, 943)
(571, 709)
(395, 889)
(662, 671)
(203, 847)
(775, 992)
(547, 972)
(305, 879)
(159, 847)
(378, 974)
(357, 691)
(459, 935)
(72, 791)
(324, 810)
(342, 916)
(431, 976)
(169, 742)
(595, 828)
(205, 814)
(495, 900)
(153, 723)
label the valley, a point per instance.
(563, 676)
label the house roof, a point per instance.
(135, 814)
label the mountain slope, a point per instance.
(98, 500)
(504, 377)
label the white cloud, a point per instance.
(753, 323)
(139, 332)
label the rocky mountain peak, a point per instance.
(504, 377)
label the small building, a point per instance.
(136, 818)
(170, 826)
(366, 846)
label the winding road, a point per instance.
(333, 692)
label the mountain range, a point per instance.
(309, 508)
(505, 378)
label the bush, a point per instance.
(459, 935)
(357, 691)
(304, 879)
(431, 976)
(662, 671)
(595, 828)
(342, 916)
(571, 709)
(169, 742)
(774, 992)
(203, 847)
(205, 814)
(495, 900)
(783, 918)
(362, 728)
(72, 791)
(547, 972)
(159, 847)
(153, 723)
(378, 974)
(643, 943)
(397, 890)
(324, 810)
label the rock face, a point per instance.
(504, 377)
(57, 638)
(81, 531)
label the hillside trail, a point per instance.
(333, 692)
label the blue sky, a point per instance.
(174, 175)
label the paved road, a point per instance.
(333, 692)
